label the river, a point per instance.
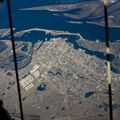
(47, 20)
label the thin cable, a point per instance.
(15, 58)
(108, 59)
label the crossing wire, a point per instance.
(15, 57)
(107, 55)
(108, 58)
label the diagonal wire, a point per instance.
(108, 58)
(14, 57)
(107, 55)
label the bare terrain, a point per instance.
(64, 83)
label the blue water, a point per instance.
(19, 57)
(24, 48)
(40, 20)
(55, 74)
(46, 20)
(88, 94)
(105, 106)
(41, 87)
(31, 3)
